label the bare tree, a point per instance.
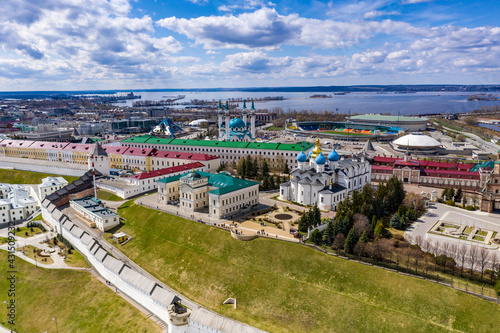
(409, 237)
(483, 256)
(407, 252)
(493, 265)
(417, 255)
(359, 249)
(472, 258)
(419, 241)
(461, 257)
(338, 242)
(425, 245)
(361, 224)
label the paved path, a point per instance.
(36, 241)
(248, 227)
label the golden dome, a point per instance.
(316, 150)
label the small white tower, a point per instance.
(100, 160)
(226, 112)
(219, 114)
(252, 115)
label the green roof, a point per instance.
(380, 117)
(488, 164)
(224, 182)
(147, 139)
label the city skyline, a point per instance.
(121, 44)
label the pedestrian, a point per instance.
(116, 289)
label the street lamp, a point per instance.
(57, 328)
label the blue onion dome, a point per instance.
(310, 153)
(236, 123)
(302, 157)
(333, 156)
(320, 159)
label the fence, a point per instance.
(470, 288)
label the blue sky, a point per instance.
(142, 44)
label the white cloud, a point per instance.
(407, 2)
(376, 13)
(265, 28)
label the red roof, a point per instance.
(167, 171)
(414, 164)
(184, 156)
(383, 159)
(134, 151)
(381, 169)
(450, 174)
(114, 149)
(83, 147)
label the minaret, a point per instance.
(252, 115)
(226, 111)
(244, 113)
(219, 113)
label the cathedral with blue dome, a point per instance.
(325, 180)
(237, 129)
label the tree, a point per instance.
(338, 242)
(483, 256)
(329, 233)
(374, 222)
(351, 240)
(361, 224)
(364, 237)
(286, 170)
(472, 258)
(317, 237)
(241, 168)
(380, 229)
(396, 221)
(461, 257)
(265, 170)
(250, 172)
(315, 214)
(458, 194)
(265, 183)
(304, 222)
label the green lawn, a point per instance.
(284, 287)
(78, 301)
(105, 195)
(38, 218)
(23, 230)
(27, 177)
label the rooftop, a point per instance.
(167, 171)
(379, 117)
(223, 144)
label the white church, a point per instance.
(237, 129)
(325, 181)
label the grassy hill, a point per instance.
(78, 301)
(106, 195)
(284, 287)
(27, 177)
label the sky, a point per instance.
(155, 44)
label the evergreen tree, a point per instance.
(396, 221)
(272, 184)
(286, 170)
(350, 241)
(329, 233)
(380, 229)
(265, 183)
(277, 181)
(374, 222)
(315, 215)
(241, 168)
(249, 167)
(256, 169)
(458, 194)
(265, 169)
(364, 237)
(317, 237)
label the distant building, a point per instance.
(228, 151)
(404, 122)
(416, 144)
(95, 214)
(490, 194)
(325, 181)
(49, 185)
(15, 203)
(221, 194)
(430, 173)
(236, 129)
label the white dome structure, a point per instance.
(198, 122)
(416, 143)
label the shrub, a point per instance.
(497, 287)
(396, 222)
(450, 202)
(469, 207)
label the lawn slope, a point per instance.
(27, 177)
(79, 302)
(284, 287)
